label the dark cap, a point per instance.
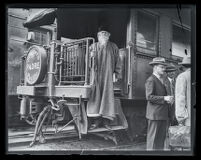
(171, 68)
(103, 28)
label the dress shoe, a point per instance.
(107, 127)
(93, 126)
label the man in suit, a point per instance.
(171, 79)
(183, 94)
(157, 105)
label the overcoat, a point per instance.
(183, 97)
(101, 102)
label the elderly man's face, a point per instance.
(103, 37)
(160, 69)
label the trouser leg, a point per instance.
(161, 135)
(151, 132)
(166, 146)
(156, 134)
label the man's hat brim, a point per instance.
(186, 61)
(184, 64)
(157, 63)
(170, 70)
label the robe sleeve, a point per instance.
(118, 65)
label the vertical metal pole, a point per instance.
(61, 64)
(67, 61)
(130, 75)
(76, 58)
(22, 69)
(71, 55)
(51, 70)
(70, 60)
(129, 66)
(79, 116)
(86, 64)
(82, 61)
(51, 62)
(130, 88)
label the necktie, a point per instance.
(172, 86)
(161, 79)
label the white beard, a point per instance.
(103, 40)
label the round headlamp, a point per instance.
(36, 65)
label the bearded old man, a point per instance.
(171, 79)
(101, 107)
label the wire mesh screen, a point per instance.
(75, 60)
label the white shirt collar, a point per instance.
(170, 79)
(155, 74)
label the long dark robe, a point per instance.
(102, 101)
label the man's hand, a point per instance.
(181, 120)
(169, 99)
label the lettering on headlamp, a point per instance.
(33, 64)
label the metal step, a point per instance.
(103, 129)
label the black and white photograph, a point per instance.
(109, 79)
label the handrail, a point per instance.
(71, 60)
(129, 83)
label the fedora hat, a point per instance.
(171, 68)
(186, 61)
(158, 60)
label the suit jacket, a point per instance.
(157, 108)
(170, 87)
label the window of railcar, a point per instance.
(147, 33)
(181, 43)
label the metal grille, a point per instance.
(75, 59)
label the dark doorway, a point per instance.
(76, 23)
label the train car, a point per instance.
(16, 36)
(17, 44)
(59, 73)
